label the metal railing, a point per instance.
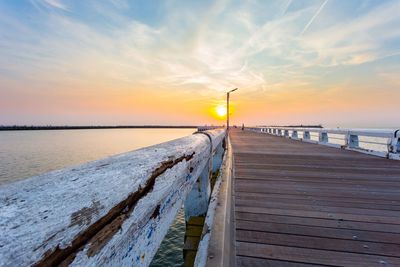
(382, 143)
(109, 212)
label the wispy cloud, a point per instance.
(313, 17)
(365, 38)
(288, 3)
(57, 4)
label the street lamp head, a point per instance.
(232, 90)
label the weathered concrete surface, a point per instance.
(113, 211)
(196, 203)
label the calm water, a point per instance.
(27, 153)
(170, 252)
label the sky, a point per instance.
(329, 62)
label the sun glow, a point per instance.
(221, 110)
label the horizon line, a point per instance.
(81, 127)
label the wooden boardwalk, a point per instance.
(301, 204)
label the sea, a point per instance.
(27, 153)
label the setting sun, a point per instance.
(221, 110)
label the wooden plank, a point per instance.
(300, 203)
(331, 223)
(327, 160)
(319, 231)
(314, 256)
(300, 200)
(343, 175)
(303, 194)
(296, 197)
(321, 169)
(259, 262)
(335, 244)
(318, 214)
(343, 192)
(325, 187)
(334, 180)
(322, 208)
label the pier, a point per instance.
(265, 196)
(196, 133)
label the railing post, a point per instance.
(394, 146)
(352, 141)
(306, 135)
(323, 137)
(196, 203)
(286, 133)
(295, 135)
(218, 156)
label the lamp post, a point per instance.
(227, 108)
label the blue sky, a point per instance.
(133, 62)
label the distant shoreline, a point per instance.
(33, 128)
